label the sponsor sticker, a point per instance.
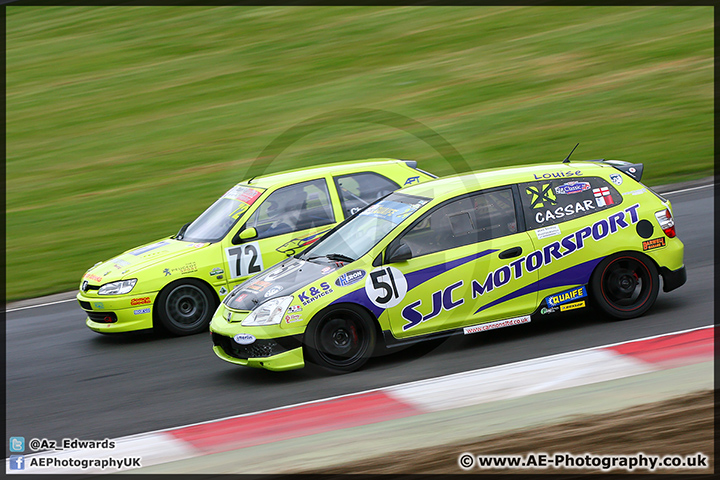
(603, 197)
(541, 196)
(293, 318)
(572, 187)
(566, 296)
(510, 322)
(412, 180)
(143, 250)
(98, 305)
(258, 286)
(244, 194)
(294, 308)
(93, 277)
(291, 247)
(327, 270)
(546, 232)
(273, 291)
(545, 311)
(223, 290)
(439, 300)
(572, 306)
(197, 245)
(394, 212)
(217, 271)
(313, 293)
(616, 178)
(637, 192)
(140, 301)
(187, 268)
(349, 278)
(141, 311)
(244, 338)
(653, 243)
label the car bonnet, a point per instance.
(281, 280)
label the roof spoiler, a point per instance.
(413, 164)
(635, 170)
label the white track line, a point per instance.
(72, 299)
(41, 305)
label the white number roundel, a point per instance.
(386, 287)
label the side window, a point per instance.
(549, 202)
(292, 208)
(464, 221)
(358, 190)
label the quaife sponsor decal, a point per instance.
(565, 297)
(313, 293)
(498, 324)
(568, 245)
(348, 278)
(654, 243)
(572, 306)
(140, 301)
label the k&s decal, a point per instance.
(308, 296)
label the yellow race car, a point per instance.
(178, 281)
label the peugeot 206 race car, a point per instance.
(459, 255)
(178, 281)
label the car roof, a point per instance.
(302, 173)
(450, 186)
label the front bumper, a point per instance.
(129, 317)
(289, 360)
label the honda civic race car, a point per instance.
(178, 281)
(459, 255)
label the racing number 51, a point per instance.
(390, 288)
(244, 260)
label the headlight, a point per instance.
(269, 313)
(118, 288)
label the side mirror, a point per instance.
(181, 232)
(400, 253)
(247, 234)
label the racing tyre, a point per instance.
(185, 307)
(341, 339)
(625, 285)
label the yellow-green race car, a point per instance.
(459, 255)
(177, 282)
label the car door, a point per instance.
(286, 222)
(465, 254)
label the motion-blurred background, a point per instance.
(123, 123)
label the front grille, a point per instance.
(260, 348)
(102, 317)
(85, 305)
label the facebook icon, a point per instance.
(17, 462)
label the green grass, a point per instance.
(123, 123)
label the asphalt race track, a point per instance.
(64, 381)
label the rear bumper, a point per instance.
(673, 279)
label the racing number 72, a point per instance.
(246, 261)
(391, 290)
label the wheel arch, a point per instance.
(156, 320)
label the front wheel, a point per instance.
(185, 307)
(625, 285)
(341, 339)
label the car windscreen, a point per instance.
(216, 221)
(360, 233)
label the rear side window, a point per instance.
(359, 190)
(549, 202)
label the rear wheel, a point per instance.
(185, 307)
(341, 339)
(625, 285)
